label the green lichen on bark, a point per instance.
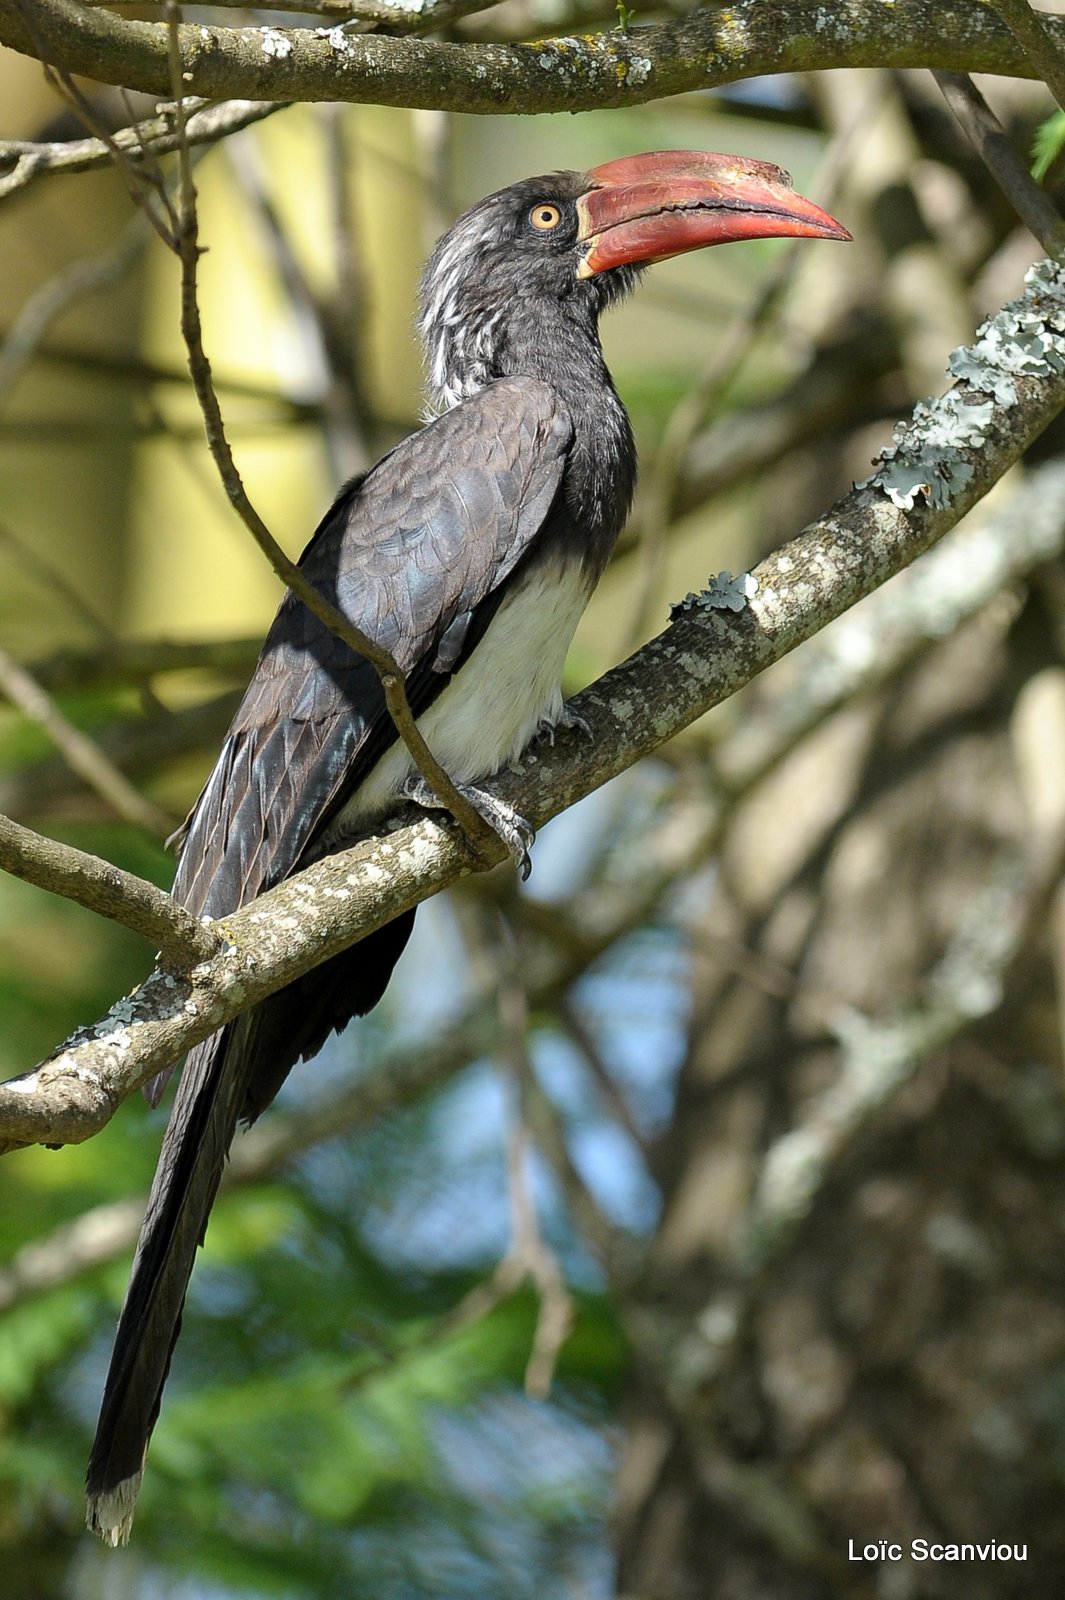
(930, 458)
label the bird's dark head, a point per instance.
(572, 242)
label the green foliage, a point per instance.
(1047, 144)
(316, 1401)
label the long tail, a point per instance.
(234, 1074)
(198, 1137)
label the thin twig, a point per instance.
(186, 245)
(539, 1262)
(134, 902)
(529, 1258)
(56, 583)
(154, 136)
(325, 331)
(135, 743)
(140, 185)
(121, 663)
(988, 137)
(74, 282)
(349, 417)
(81, 753)
(583, 1038)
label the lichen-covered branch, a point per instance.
(588, 72)
(701, 658)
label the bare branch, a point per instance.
(106, 889)
(529, 1256)
(134, 661)
(984, 131)
(136, 744)
(206, 124)
(81, 753)
(55, 582)
(81, 278)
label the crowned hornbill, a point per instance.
(469, 552)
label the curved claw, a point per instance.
(548, 727)
(516, 832)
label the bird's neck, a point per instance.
(559, 344)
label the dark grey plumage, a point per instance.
(520, 488)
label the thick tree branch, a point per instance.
(941, 465)
(591, 72)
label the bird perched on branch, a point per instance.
(469, 553)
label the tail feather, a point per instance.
(233, 1075)
(197, 1141)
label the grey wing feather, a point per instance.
(409, 556)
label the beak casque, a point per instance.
(649, 207)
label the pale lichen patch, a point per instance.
(336, 38)
(275, 44)
(1025, 339)
(723, 593)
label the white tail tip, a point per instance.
(111, 1514)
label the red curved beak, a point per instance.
(647, 208)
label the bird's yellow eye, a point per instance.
(545, 216)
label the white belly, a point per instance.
(491, 708)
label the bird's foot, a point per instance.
(516, 833)
(547, 727)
